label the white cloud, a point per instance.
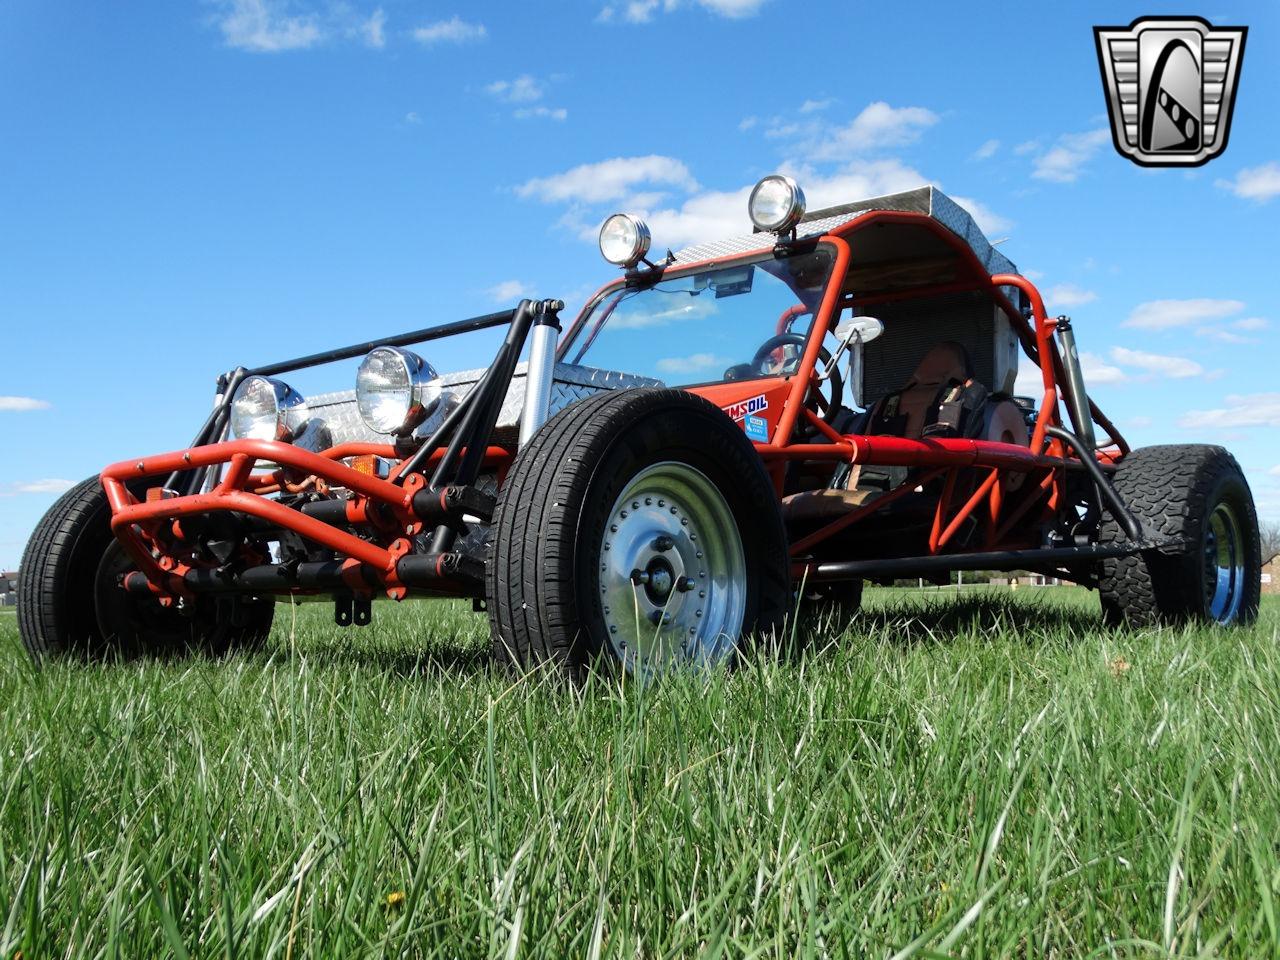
(694, 363)
(1097, 372)
(1165, 314)
(453, 30)
(1068, 295)
(1241, 410)
(549, 113)
(412, 117)
(17, 404)
(51, 485)
(734, 9)
(523, 89)
(815, 106)
(642, 11)
(263, 26)
(1026, 146)
(877, 126)
(1177, 368)
(987, 150)
(1062, 162)
(1255, 183)
(374, 29)
(746, 123)
(1228, 333)
(509, 290)
(608, 180)
(1275, 471)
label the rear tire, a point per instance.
(655, 483)
(70, 604)
(1199, 494)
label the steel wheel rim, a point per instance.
(1224, 564)
(673, 575)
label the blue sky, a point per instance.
(188, 186)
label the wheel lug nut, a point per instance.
(684, 584)
(662, 503)
(663, 543)
(635, 504)
(639, 577)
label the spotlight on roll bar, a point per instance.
(777, 204)
(624, 240)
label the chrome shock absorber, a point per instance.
(542, 365)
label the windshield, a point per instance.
(707, 327)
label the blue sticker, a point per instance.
(757, 428)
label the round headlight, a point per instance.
(390, 389)
(266, 409)
(776, 204)
(624, 240)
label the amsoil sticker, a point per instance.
(756, 428)
(743, 408)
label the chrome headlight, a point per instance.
(624, 240)
(266, 409)
(777, 204)
(391, 389)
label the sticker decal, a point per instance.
(757, 428)
(744, 408)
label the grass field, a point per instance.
(994, 775)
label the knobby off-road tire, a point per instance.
(1197, 493)
(69, 602)
(656, 482)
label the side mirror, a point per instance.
(866, 329)
(852, 334)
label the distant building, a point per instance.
(1271, 574)
(8, 588)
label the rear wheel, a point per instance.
(70, 602)
(1199, 495)
(638, 527)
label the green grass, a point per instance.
(994, 775)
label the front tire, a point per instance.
(639, 528)
(70, 603)
(1198, 494)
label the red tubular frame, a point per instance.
(1043, 461)
(131, 518)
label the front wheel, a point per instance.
(639, 528)
(1199, 495)
(70, 602)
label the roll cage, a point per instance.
(364, 534)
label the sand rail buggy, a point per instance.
(599, 515)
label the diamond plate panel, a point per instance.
(572, 382)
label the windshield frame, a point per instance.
(824, 314)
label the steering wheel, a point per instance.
(773, 360)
